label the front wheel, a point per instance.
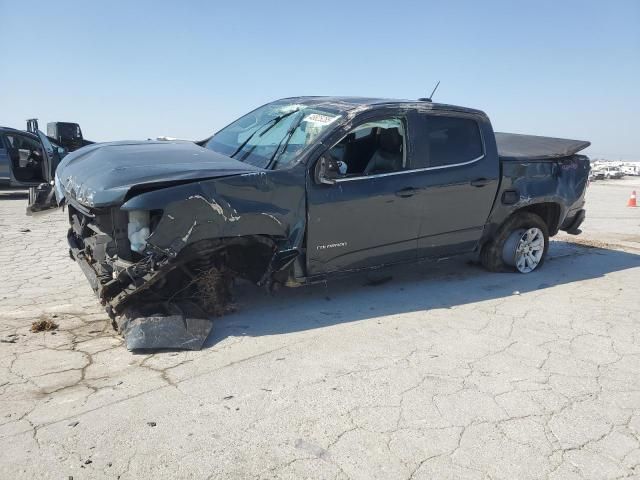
(521, 244)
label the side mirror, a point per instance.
(327, 170)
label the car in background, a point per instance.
(22, 159)
(631, 169)
(612, 172)
(596, 175)
(29, 160)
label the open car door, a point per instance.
(42, 197)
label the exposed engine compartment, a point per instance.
(175, 294)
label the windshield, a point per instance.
(273, 135)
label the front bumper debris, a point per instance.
(170, 326)
(164, 296)
(144, 326)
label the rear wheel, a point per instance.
(521, 244)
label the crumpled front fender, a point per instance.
(251, 204)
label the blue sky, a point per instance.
(142, 69)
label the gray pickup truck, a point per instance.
(306, 188)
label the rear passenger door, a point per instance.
(458, 181)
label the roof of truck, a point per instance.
(349, 103)
(15, 130)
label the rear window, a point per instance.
(69, 130)
(452, 140)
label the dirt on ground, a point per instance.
(43, 325)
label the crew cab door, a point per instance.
(22, 158)
(459, 179)
(369, 216)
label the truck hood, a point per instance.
(101, 174)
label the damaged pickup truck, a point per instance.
(302, 189)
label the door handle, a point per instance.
(406, 192)
(480, 182)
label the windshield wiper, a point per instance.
(278, 151)
(274, 121)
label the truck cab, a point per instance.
(411, 183)
(67, 134)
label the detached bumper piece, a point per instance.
(159, 302)
(167, 326)
(153, 326)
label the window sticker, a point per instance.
(319, 118)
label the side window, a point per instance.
(10, 140)
(31, 144)
(372, 148)
(22, 142)
(24, 150)
(452, 140)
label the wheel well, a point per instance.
(250, 259)
(248, 256)
(214, 262)
(548, 211)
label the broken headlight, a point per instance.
(138, 229)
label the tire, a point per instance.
(515, 227)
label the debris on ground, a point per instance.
(170, 325)
(152, 424)
(43, 325)
(182, 321)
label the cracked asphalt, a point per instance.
(446, 371)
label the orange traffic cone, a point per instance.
(632, 200)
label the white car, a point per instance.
(612, 172)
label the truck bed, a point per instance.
(517, 147)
